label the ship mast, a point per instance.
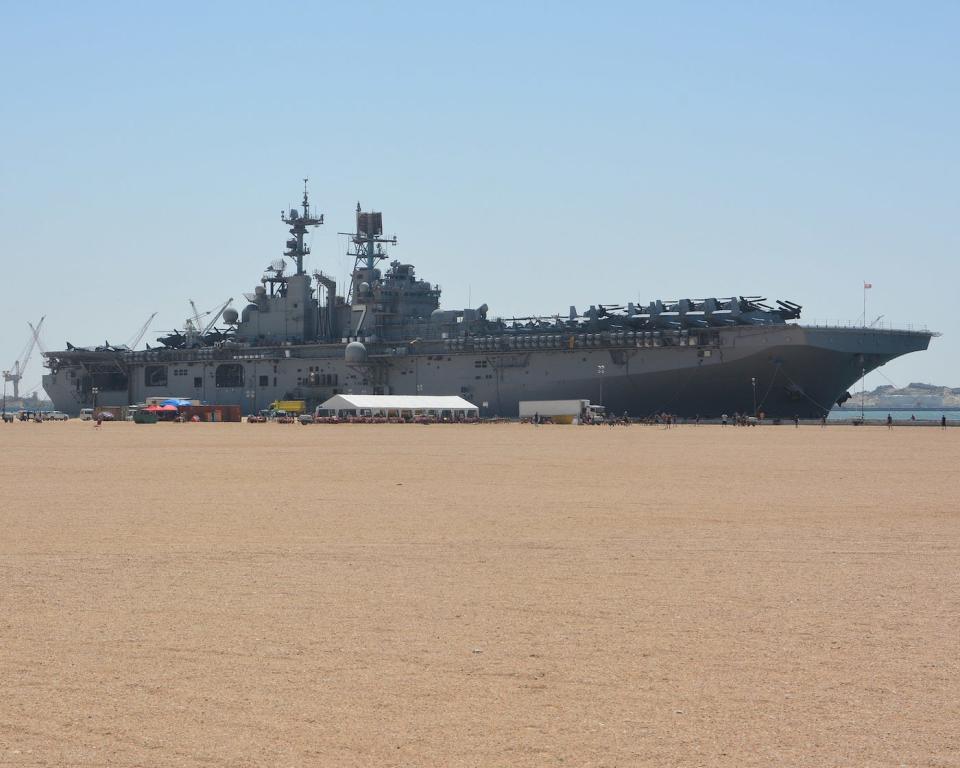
(367, 245)
(299, 221)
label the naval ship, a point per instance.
(297, 338)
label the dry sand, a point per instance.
(281, 595)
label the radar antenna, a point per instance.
(299, 221)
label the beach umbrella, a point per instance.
(153, 408)
(167, 408)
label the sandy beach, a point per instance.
(496, 595)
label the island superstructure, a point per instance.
(298, 338)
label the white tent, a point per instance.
(439, 406)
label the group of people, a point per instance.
(913, 418)
(740, 419)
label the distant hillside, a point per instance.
(914, 395)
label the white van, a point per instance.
(86, 414)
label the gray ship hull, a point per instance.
(784, 370)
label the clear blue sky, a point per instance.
(530, 156)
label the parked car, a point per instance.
(86, 414)
(57, 416)
(305, 418)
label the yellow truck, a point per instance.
(295, 407)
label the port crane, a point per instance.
(196, 320)
(196, 327)
(132, 344)
(35, 330)
(15, 374)
(217, 314)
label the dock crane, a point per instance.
(35, 330)
(132, 344)
(217, 314)
(19, 365)
(196, 329)
(193, 322)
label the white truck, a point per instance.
(560, 411)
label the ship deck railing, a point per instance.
(884, 327)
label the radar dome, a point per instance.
(230, 316)
(364, 287)
(355, 352)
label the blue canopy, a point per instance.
(177, 402)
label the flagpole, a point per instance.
(863, 357)
(863, 374)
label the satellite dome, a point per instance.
(437, 313)
(364, 287)
(355, 352)
(230, 316)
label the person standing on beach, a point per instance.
(889, 421)
(796, 421)
(943, 422)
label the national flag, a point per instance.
(867, 285)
